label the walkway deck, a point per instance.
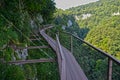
(71, 70)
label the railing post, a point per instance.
(71, 44)
(109, 76)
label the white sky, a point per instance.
(65, 4)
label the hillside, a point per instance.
(106, 36)
(97, 23)
(25, 35)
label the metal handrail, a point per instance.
(99, 50)
(63, 67)
(110, 57)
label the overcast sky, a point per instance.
(65, 4)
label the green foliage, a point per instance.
(102, 29)
(45, 7)
(13, 21)
(106, 36)
(7, 54)
(15, 29)
(29, 71)
(13, 72)
(99, 11)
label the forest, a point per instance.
(96, 23)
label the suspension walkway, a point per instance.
(69, 69)
(68, 66)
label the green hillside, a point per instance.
(107, 36)
(97, 23)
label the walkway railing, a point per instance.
(68, 67)
(61, 60)
(97, 64)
